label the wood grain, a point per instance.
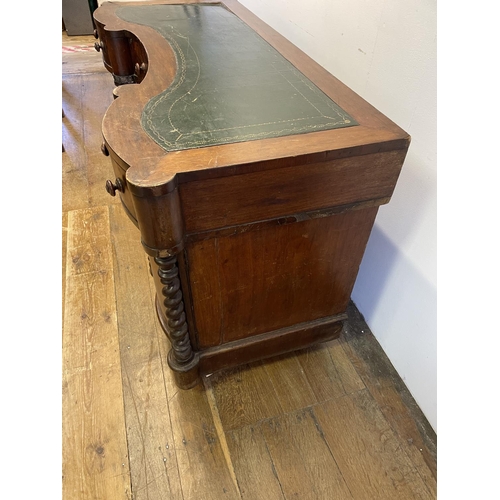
(250, 197)
(292, 388)
(264, 277)
(205, 293)
(95, 458)
(202, 465)
(153, 459)
(351, 381)
(85, 168)
(64, 240)
(305, 465)
(244, 395)
(220, 432)
(274, 277)
(267, 345)
(98, 165)
(395, 401)
(253, 465)
(88, 243)
(74, 160)
(371, 459)
(323, 372)
(81, 61)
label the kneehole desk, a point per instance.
(253, 174)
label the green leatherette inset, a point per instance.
(230, 86)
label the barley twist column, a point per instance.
(181, 358)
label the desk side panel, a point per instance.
(273, 277)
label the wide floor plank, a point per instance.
(64, 240)
(153, 459)
(348, 376)
(292, 387)
(244, 395)
(203, 467)
(367, 451)
(305, 465)
(99, 166)
(254, 468)
(393, 398)
(85, 99)
(95, 457)
(74, 158)
(328, 371)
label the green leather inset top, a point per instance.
(230, 86)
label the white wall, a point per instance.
(385, 50)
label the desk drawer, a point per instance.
(123, 55)
(126, 195)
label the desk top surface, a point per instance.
(230, 84)
(225, 94)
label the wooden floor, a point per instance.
(332, 422)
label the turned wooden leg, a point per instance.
(170, 308)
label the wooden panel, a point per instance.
(205, 291)
(238, 199)
(153, 457)
(263, 280)
(115, 171)
(270, 344)
(95, 461)
(372, 460)
(304, 463)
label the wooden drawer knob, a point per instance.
(104, 149)
(96, 35)
(113, 188)
(98, 46)
(140, 68)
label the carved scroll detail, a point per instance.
(176, 324)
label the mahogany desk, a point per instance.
(253, 175)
